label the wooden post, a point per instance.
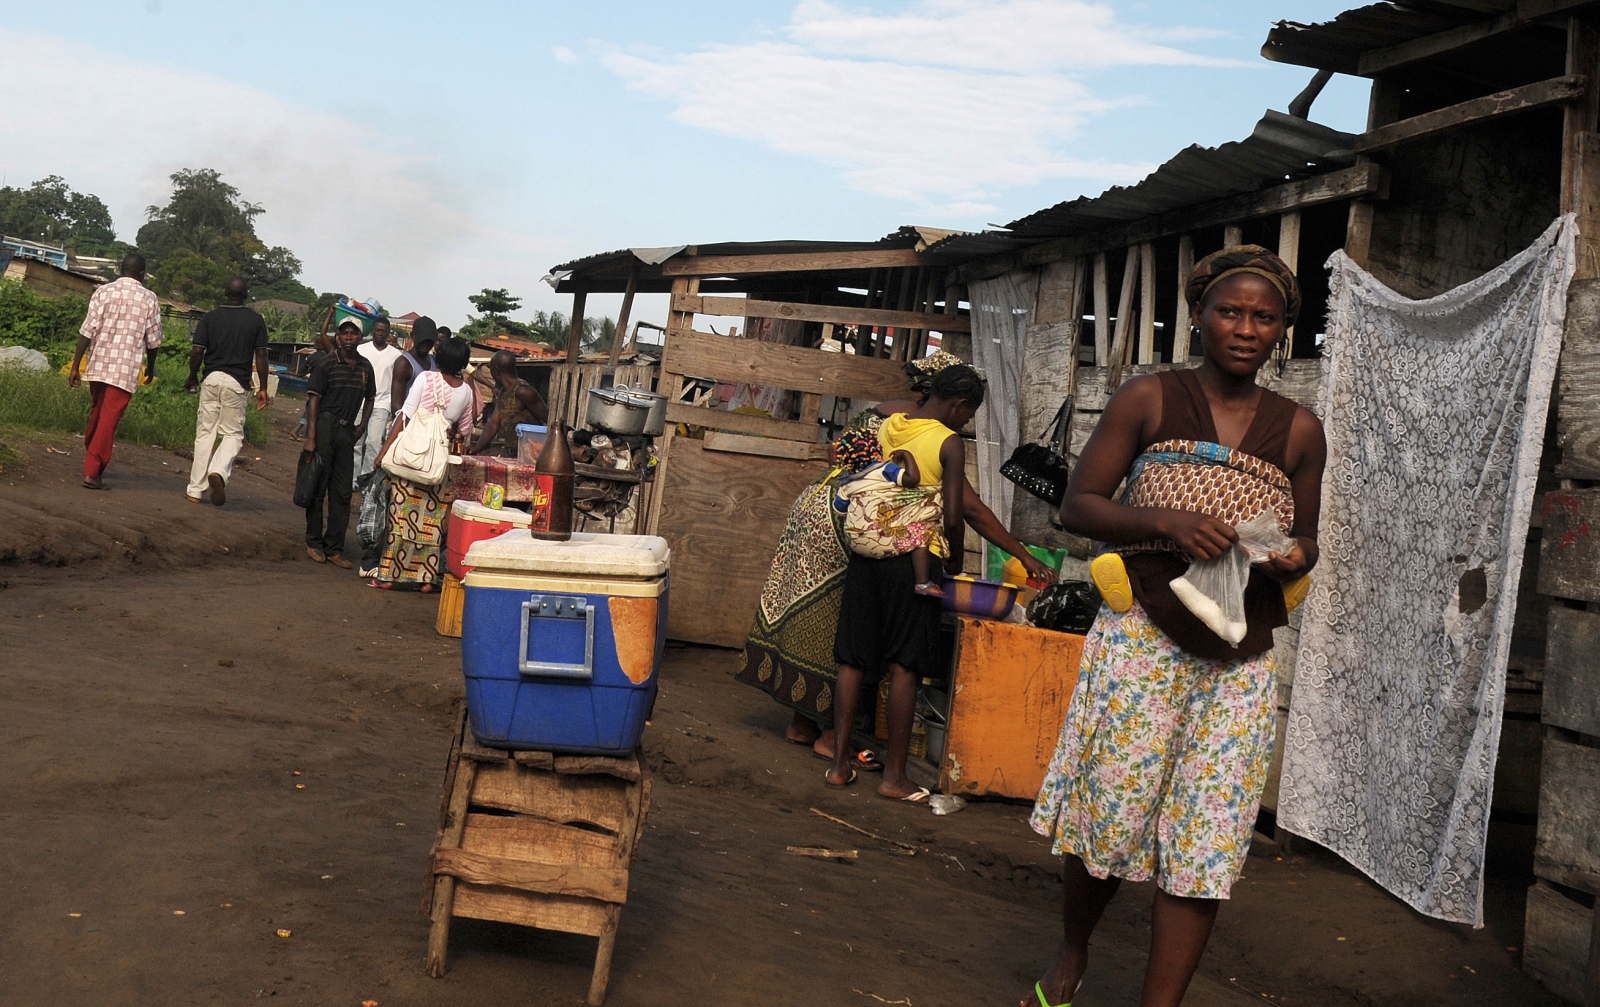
(1180, 331)
(1102, 313)
(1583, 55)
(1383, 107)
(1119, 342)
(958, 343)
(622, 315)
(1232, 236)
(1147, 303)
(575, 339)
(1289, 252)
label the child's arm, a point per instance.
(904, 459)
(953, 456)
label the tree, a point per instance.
(192, 279)
(209, 218)
(48, 210)
(498, 302)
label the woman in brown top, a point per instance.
(1164, 753)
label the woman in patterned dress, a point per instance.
(1164, 753)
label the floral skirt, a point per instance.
(413, 556)
(1161, 762)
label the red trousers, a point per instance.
(107, 404)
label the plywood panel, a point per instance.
(1568, 846)
(722, 514)
(1569, 553)
(1012, 687)
(1555, 947)
(774, 365)
(567, 913)
(1578, 388)
(1572, 670)
(597, 800)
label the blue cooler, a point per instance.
(561, 641)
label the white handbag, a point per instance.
(422, 451)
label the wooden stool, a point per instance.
(535, 867)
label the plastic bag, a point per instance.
(1213, 589)
(308, 477)
(1067, 606)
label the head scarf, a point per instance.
(921, 372)
(1218, 266)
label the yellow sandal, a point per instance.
(1111, 577)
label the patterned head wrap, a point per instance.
(921, 372)
(1218, 266)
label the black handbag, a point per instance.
(1041, 469)
(307, 477)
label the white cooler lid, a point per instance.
(585, 554)
(471, 510)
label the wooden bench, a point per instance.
(535, 839)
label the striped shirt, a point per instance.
(124, 321)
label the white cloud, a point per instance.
(942, 104)
(1016, 36)
(364, 219)
(564, 55)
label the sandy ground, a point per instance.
(170, 668)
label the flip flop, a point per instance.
(96, 485)
(1038, 991)
(920, 797)
(868, 760)
(844, 784)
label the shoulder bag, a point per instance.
(1041, 468)
(422, 451)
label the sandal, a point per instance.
(1110, 575)
(868, 760)
(1038, 991)
(920, 796)
(846, 783)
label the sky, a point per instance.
(418, 152)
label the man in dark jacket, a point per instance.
(340, 393)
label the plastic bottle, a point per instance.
(552, 504)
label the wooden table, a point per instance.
(559, 861)
(1009, 690)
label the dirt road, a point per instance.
(209, 739)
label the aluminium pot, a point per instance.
(617, 411)
(656, 424)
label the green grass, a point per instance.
(161, 415)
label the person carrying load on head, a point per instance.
(1161, 762)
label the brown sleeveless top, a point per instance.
(511, 413)
(1186, 415)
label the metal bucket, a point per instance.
(617, 411)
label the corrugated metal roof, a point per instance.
(1338, 44)
(1280, 148)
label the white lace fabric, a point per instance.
(1435, 413)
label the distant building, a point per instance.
(23, 248)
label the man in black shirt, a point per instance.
(228, 340)
(340, 392)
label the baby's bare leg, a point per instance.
(922, 568)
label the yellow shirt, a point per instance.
(922, 438)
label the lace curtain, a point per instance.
(1435, 414)
(1000, 311)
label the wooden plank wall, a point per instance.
(725, 487)
(570, 384)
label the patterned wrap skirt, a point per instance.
(1160, 766)
(413, 556)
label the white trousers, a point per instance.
(219, 430)
(368, 447)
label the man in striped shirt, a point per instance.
(121, 331)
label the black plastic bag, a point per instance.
(1067, 606)
(308, 475)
